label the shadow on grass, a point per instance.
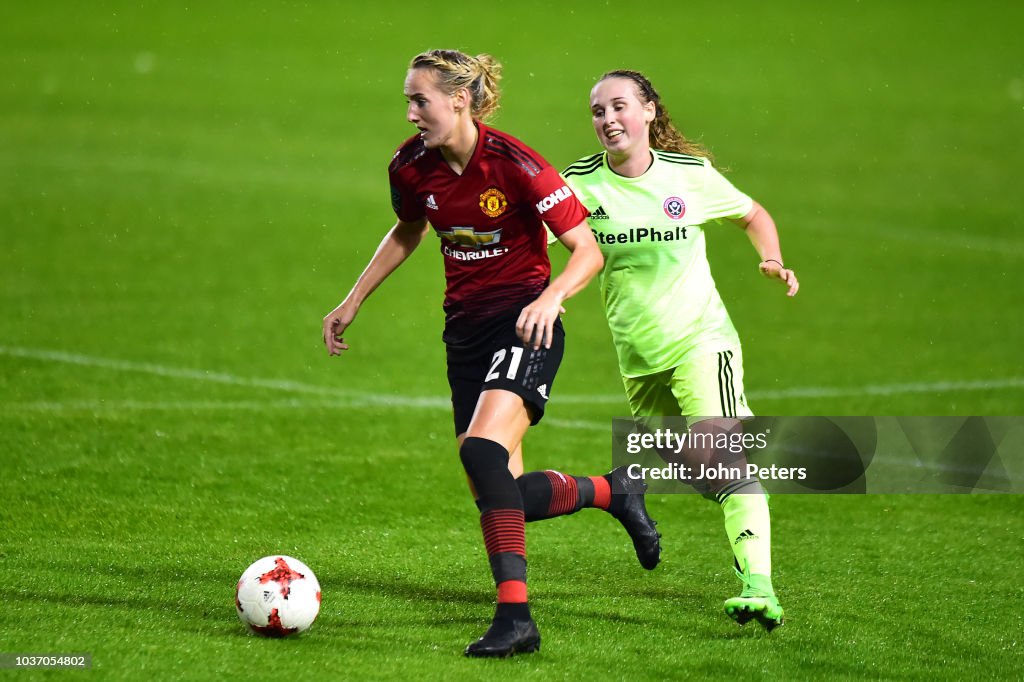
(398, 587)
(201, 601)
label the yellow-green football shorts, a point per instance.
(708, 385)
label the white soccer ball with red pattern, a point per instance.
(278, 596)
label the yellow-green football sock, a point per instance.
(749, 529)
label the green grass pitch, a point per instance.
(185, 192)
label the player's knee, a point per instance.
(480, 456)
(535, 491)
(486, 464)
(533, 482)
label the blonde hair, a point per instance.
(663, 134)
(456, 70)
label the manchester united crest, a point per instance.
(493, 202)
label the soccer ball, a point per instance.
(277, 596)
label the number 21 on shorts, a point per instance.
(515, 357)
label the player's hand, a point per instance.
(772, 270)
(334, 326)
(536, 323)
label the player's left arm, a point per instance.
(761, 230)
(537, 321)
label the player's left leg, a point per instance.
(547, 494)
(711, 387)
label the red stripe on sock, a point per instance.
(564, 495)
(504, 531)
(512, 591)
(602, 492)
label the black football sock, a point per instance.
(501, 516)
(547, 494)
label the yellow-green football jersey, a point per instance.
(656, 285)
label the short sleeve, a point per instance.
(403, 201)
(553, 201)
(722, 199)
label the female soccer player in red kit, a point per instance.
(487, 197)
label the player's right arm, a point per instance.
(401, 241)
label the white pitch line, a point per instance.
(578, 424)
(224, 378)
(173, 372)
(838, 391)
(195, 406)
(175, 405)
(880, 461)
(889, 389)
(940, 241)
(100, 406)
(356, 398)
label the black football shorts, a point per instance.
(495, 358)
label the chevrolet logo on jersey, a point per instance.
(467, 236)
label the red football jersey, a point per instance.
(489, 221)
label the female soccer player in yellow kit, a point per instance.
(650, 193)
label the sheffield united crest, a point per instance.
(674, 208)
